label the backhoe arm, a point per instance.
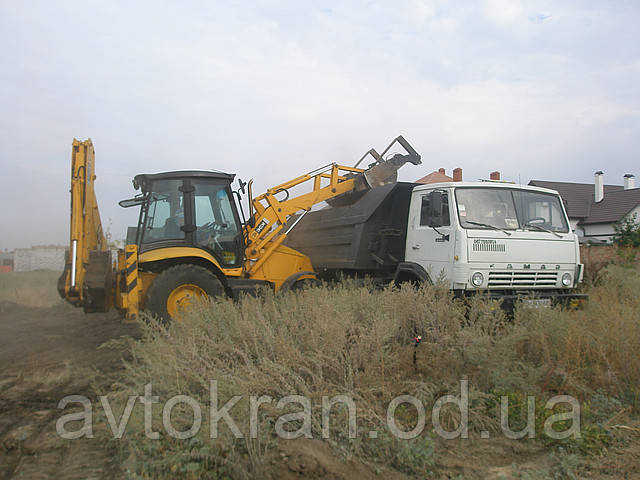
(86, 235)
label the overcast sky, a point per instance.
(269, 90)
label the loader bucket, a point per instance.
(383, 172)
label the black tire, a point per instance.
(171, 278)
(304, 283)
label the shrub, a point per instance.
(627, 232)
(358, 341)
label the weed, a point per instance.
(358, 341)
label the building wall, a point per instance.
(597, 255)
(38, 258)
(599, 231)
(605, 231)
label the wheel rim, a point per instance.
(183, 297)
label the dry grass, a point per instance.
(31, 289)
(357, 341)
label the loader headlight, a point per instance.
(566, 280)
(477, 279)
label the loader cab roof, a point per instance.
(143, 180)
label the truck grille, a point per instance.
(537, 278)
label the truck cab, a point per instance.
(502, 238)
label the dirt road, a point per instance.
(47, 353)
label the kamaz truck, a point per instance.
(505, 240)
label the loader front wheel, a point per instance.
(179, 287)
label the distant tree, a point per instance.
(627, 232)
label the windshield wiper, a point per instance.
(542, 229)
(493, 227)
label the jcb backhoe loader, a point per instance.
(193, 239)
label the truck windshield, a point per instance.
(510, 209)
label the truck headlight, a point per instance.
(477, 279)
(566, 280)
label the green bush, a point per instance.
(627, 232)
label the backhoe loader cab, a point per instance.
(189, 209)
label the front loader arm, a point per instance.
(331, 183)
(86, 235)
(271, 215)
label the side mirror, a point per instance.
(435, 209)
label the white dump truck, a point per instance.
(509, 241)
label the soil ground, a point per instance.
(46, 353)
(49, 349)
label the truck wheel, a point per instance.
(177, 287)
(305, 282)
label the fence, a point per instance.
(38, 258)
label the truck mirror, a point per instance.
(435, 210)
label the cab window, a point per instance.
(540, 209)
(426, 212)
(165, 213)
(486, 208)
(216, 226)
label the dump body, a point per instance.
(367, 236)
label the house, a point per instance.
(594, 209)
(436, 177)
(440, 176)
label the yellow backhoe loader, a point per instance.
(193, 239)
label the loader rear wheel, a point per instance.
(176, 288)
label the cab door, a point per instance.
(217, 226)
(430, 237)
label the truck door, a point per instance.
(430, 238)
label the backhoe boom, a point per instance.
(86, 233)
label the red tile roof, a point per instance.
(435, 177)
